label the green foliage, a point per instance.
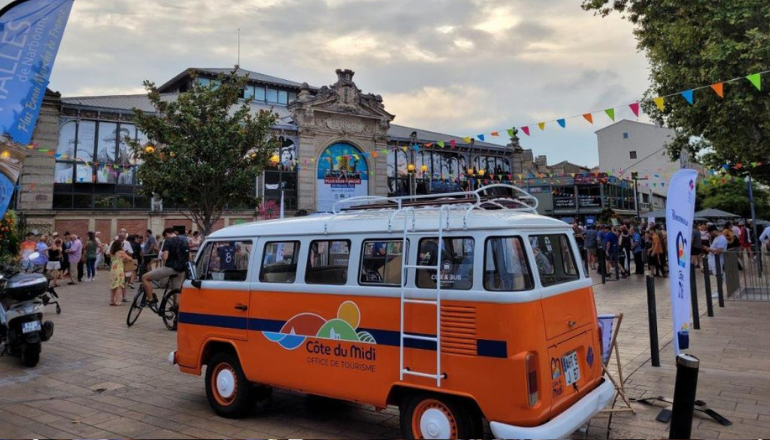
(692, 43)
(207, 148)
(10, 239)
(731, 195)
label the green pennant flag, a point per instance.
(510, 132)
(756, 79)
(441, 144)
(611, 113)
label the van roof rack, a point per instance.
(482, 199)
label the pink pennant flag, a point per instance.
(525, 130)
(635, 108)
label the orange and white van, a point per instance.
(456, 311)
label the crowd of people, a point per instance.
(615, 250)
(72, 259)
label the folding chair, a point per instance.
(610, 326)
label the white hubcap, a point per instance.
(226, 384)
(435, 424)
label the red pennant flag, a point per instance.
(453, 144)
(719, 88)
(525, 130)
(496, 134)
(635, 108)
(589, 117)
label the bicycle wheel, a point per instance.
(169, 309)
(136, 308)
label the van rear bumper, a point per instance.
(566, 423)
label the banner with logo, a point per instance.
(342, 174)
(680, 211)
(30, 34)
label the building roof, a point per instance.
(400, 132)
(628, 121)
(253, 77)
(376, 222)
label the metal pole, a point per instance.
(694, 298)
(720, 288)
(707, 277)
(602, 265)
(684, 396)
(636, 198)
(652, 313)
(757, 244)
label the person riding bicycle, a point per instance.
(176, 254)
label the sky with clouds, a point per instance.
(459, 66)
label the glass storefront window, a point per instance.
(272, 96)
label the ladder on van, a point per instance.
(410, 214)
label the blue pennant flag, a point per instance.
(563, 123)
(689, 96)
(482, 137)
(30, 34)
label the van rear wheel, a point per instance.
(227, 389)
(428, 416)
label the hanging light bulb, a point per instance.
(149, 149)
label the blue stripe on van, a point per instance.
(492, 349)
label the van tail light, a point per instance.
(532, 386)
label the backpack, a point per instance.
(181, 254)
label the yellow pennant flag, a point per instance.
(542, 126)
(467, 140)
(661, 103)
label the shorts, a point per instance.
(592, 251)
(53, 265)
(165, 272)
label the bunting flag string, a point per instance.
(660, 102)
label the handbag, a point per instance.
(129, 266)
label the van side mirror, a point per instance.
(192, 274)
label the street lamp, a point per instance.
(412, 176)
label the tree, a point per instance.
(206, 149)
(730, 195)
(694, 43)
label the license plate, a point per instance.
(29, 327)
(571, 368)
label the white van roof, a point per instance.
(379, 222)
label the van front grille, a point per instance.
(458, 330)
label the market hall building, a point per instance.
(336, 142)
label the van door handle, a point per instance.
(241, 307)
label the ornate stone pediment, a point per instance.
(341, 107)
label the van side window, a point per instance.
(456, 263)
(381, 263)
(328, 263)
(279, 264)
(225, 261)
(555, 259)
(506, 267)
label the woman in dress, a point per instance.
(54, 261)
(118, 273)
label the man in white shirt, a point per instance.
(122, 236)
(718, 247)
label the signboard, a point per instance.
(680, 210)
(565, 203)
(590, 202)
(342, 174)
(30, 34)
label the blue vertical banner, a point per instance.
(30, 34)
(680, 213)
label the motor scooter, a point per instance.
(22, 330)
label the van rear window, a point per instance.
(555, 259)
(506, 267)
(456, 263)
(328, 263)
(279, 264)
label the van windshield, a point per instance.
(506, 268)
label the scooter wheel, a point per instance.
(30, 357)
(58, 310)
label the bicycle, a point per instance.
(167, 308)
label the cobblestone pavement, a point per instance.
(99, 379)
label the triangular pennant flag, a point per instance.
(719, 88)
(563, 123)
(441, 144)
(661, 103)
(756, 79)
(511, 132)
(589, 117)
(525, 130)
(542, 126)
(453, 144)
(635, 108)
(481, 137)
(467, 140)
(689, 96)
(611, 113)
(496, 134)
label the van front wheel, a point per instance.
(227, 388)
(427, 416)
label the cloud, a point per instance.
(482, 65)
